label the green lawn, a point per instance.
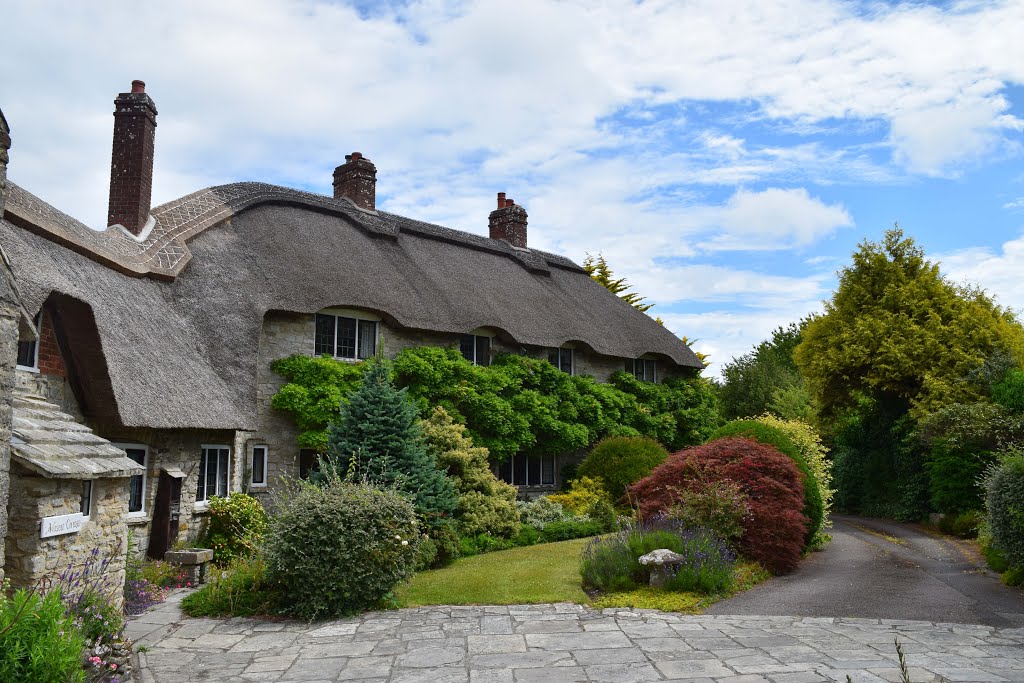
(548, 572)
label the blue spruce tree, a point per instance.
(378, 438)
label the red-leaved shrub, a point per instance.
(775, 528)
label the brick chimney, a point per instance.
(508, 222)
(131, 162)
(356, 180)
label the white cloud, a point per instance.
(998, 271)
(1017, 203)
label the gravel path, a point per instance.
(881, 569)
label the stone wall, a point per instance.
(9, 317)
(30, 558)
(54, 388)
(178, 449)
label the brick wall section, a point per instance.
(356, 179)
(131, 160)
(51, 362)
(30, 558)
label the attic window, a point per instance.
(476, 348)
(563, 359)
(28, 351)
(345, 337)
(644, 369)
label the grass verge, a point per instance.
(548, 572)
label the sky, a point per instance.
(726, 157)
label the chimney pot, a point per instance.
(356, 180)
(501, 200)
(131, 159)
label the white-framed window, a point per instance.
(528, 470)
(563, 358)
(86, 506)
(28, 351)
(645, 369)
(214, 472)
(137, 484)
(258, 465)
(345, 335)
(476, 348)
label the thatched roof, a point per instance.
(51, 443)
(175, 327)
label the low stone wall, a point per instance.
(30, 558)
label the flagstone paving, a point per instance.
(565, 642)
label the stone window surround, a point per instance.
(252, 470)
(347, 313)
(143, 513)
(204, 504)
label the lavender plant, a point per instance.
(611, 563)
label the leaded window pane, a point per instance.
(565, 360)
(135, 484)
(86, 497)
(467, 347)
(553, 357)
(324, 338)
(27, 354)
(367, 338)
(201, 489)
(346, 338)
(259, 472)
(483, 351)
(547, 470)
(222, 470)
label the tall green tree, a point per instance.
(895, 326)
(896, 343)
(599, 271)
(378, 437)
(766, 379)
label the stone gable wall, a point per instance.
(8, 354)
(30, 558)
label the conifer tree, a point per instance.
(599, 271)
(378, 438)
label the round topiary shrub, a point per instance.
(336, 548)
(622, 460)
(813, 507)
(1004, 507)
(775, 528)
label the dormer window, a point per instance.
(562, 358)
(645, 370)
(476, 348)
(345, 336)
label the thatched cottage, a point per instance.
(158, 333)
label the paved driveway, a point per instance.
(564, 642)
(882, 569)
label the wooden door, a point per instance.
(166, 514)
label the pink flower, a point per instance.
(113, 667)
(189, 584)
